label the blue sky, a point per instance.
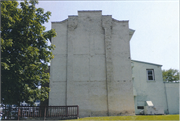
(156, 25)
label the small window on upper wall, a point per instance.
(150, 74)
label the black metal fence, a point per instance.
(42, 112)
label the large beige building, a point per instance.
(92, 67)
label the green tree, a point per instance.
(25, 52)
(170, 75)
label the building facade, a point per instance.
(92, 68)
(92, 65)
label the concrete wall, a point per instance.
(146, 90)
(172, 90)
(92, 66)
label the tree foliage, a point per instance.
(24, 52)
(170, 75)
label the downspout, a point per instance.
(166, 98)
(107, 26)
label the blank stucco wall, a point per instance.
(87, 86)
(92, 65)
(57, 95)
(172, 90)
(120, 90)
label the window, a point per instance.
(150, 74)
(140, 107)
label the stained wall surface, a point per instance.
(92, 65)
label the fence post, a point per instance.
(77, 111)
(5, 111)
(66, 111)
(45, 113)
(21, 111)
(18, 113)
(8, 114)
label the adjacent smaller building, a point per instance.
(149, 86)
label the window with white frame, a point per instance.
(150, 74)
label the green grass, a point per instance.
(138, 117)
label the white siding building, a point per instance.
(149, 86)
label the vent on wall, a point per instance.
(140, 107)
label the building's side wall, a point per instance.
(92, 65)
(120, 90)
(57, 94)
(148, 90)
(87, 86)
(172, 90)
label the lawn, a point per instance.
(138, 117)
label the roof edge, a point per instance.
(146, 63)
(59, 21)
(120, 20)
(89, 10)
(131, 33)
